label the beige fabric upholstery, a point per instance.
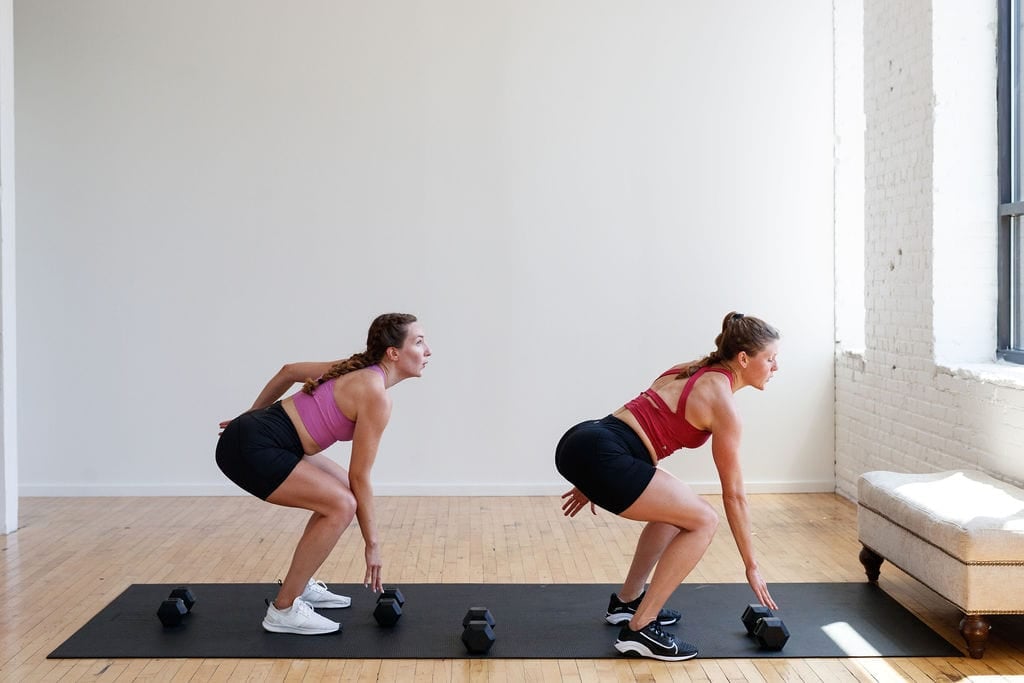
(960, 533)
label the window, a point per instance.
(1010, 336)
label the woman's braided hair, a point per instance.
(739, 333)
(386, 330)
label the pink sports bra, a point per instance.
(321, 415)
(669, 431)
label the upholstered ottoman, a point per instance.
(960, 533)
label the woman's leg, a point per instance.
(330, 467)
(649, 549)
(333, 507)
(666, 500)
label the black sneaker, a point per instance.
(651, 641)
(619, 612)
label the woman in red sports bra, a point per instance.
(612, 463)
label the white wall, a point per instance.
(8, 303)
(569, 194)
(848, 27)
(926, 394)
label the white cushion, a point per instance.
(969, 515)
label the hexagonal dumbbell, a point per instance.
(389, 607)
(764, 627)
(478, 630)
(752, 613)
(179, 603)
(186, 596)
(395, 593)
(171, 612)
(770, 633)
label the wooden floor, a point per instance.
(71, 556)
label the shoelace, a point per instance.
(316, 586)
(303, 607)
(655, 628)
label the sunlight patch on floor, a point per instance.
(849, 641)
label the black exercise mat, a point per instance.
(534, 621)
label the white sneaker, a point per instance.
(317, 595)
(299, 618)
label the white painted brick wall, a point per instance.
(930, 253)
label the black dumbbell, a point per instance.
(395, 593)
(770, 633)
(767, 630)
(186, 596)
(173, 610)
(752, 613)
(478, 614)
(478, 630)
(389, 607)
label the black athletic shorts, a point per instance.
(259, 449)
(607, 461)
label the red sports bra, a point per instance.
(669, 431)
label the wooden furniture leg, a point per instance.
(974, 628)
(872, 562)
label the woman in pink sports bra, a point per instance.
(273, 451)
(612, 463)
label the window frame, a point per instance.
(1010, 346)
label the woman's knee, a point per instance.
(707, 521)
(341, 504)
(326, 497)
(710, 520)
(700, 519)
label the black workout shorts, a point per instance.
(607, 461)
(259, 449)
